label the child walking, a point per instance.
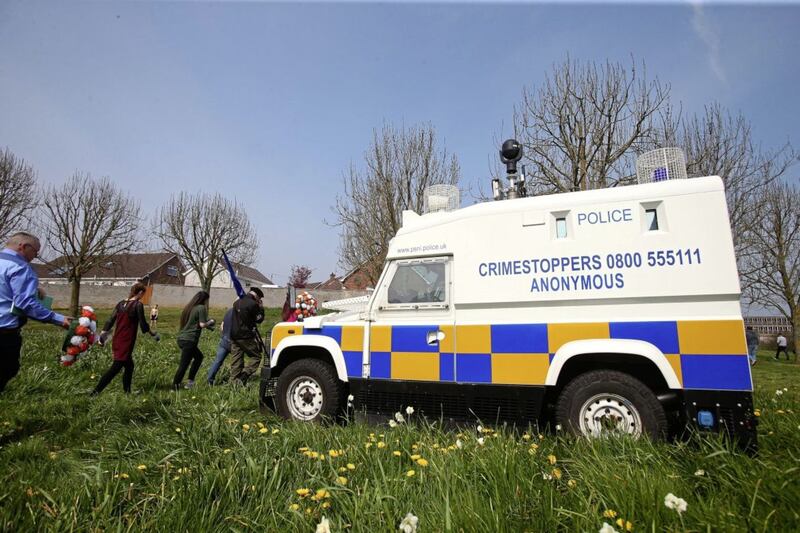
(127, 315)
(194, 319)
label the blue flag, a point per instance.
(236, 283)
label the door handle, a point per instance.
(435, 337)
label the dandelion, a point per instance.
(409, 524)
(399, 417)
(324, 526)
(177, 430)
(263, 430)
(275, 431)
(392, 424)
(757, 412)
(700, 472)
(396, 453)
(226, 451)
(673, 502)
(410, 473)
(53, 455)
(609, 513)
(341, 470)
(628, 526)
(381, 444)
(481, 441)
(122, 475)
(294, 507)
(260, 424)
(321, 494)
(552, 459)
(557, 473)
(303, 492)
(459, 444)
(303, 449)
(572, 483)
(333, 453)
(409, 410)
(141, 468)
(176, 478)
(351, 466)
(367, 445)
(607, 528)
(341, 480)
(415, 457)
(246, 427)
(422, 462)
(526, 437)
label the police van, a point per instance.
(611, 310)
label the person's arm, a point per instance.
(111, 321)
(140, 317)
(202, 318)
(24, 287)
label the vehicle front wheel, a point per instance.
(607, 402)
(308, 390)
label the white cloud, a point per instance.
(708, 34)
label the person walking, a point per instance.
(194, 318)
(128, 318)
(224, 347)
(782, 343)
(154, 316)
(246, 347)
(19, 288)
(752, 344)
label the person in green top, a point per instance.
(194, 319)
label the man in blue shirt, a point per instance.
(224, 347)
(19, 288)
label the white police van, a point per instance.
(604, 310)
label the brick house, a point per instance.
(122, 269)
(248, 276)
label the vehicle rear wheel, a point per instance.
(308, 390)
(608, 402)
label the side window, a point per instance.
(651, 219)
(419, 282)
(561, 228)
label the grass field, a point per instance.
(207, 460)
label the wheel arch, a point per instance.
(317, 347)
(640, 359)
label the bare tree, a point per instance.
(17, 180)
(86, 222)
(299, 276)
(718, 143)
(773, 269)
(198, 227)
(398, 166)
(582, 127)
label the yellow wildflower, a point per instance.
(422, 462)
(303, 492)
(552, 459)
(572, 483)
(415, 457)
(177, 430)
(176, 478)
(263, 430)
(342, 470)
(609, 513)
(141, 467)
(410, 473)
(53, 455)
(557, 473)
(381, 444)
(294, 507)
(351, 466)
(628, 526)
(321, 494)
(367, 445)
(341, 480)
(261, 425)
(325, 505)
(525, 436)
(275, 431)
(333, 453)
(226, 450)
(246, 427)
(303, 449)
(396, 453)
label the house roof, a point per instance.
(244, 271)
(128, 266)
(332, 283)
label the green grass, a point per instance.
(69, 462)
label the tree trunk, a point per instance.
(75, 297)
(795, 334)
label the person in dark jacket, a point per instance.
(246, 347)
(194, 319)
(127, 316)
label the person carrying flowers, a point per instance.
(128, 315)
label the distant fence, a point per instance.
(177, 295)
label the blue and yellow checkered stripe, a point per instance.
(708, 354)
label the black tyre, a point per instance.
(309, 390)
(605, 402)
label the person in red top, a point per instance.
(127, 315)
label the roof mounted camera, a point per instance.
(510, 155)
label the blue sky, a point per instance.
(271, 102)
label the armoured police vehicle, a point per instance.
(612, 310)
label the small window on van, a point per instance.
(418, 283)
(651, 219)
(561, 228)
